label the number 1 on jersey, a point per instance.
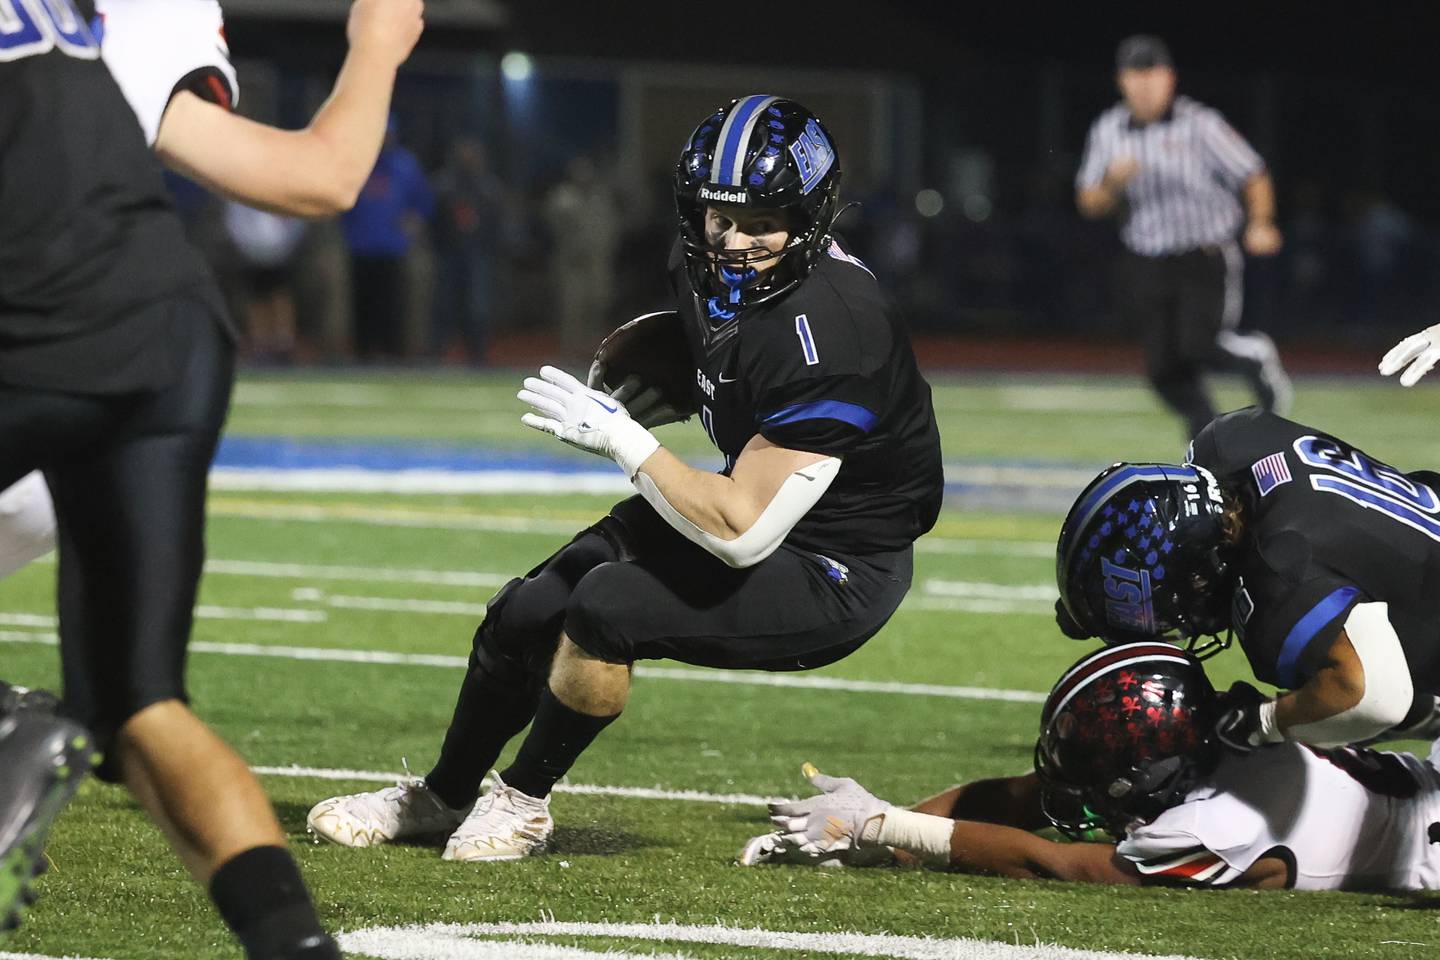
(807, 340)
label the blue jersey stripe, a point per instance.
(733, 137)
(1305, 629)
(857, 416)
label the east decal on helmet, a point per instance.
(1124, 735)
(1143, 554)
(765, 153)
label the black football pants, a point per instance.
(1178, 303)
(127, 473)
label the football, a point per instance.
(653, 348)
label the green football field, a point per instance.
(328, 645)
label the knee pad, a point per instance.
(596, 619)
(523, 620)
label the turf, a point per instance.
(115, 892)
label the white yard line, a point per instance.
(358, 574)
(359, 480)
(457, 941)
(203, 611)
(393, 517)
(501, 523)
(973, 589)
(738, 677)
(587, 789)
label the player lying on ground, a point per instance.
(172, 63)
(789, 559)
(115, 379)
(1320, 558)
(1126, 747)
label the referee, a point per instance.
(1171, 169)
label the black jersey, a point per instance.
(825, 369)
(88, 238)
(1326, 527)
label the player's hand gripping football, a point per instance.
(389, 29)
(1419, 351)
(589, 419)
(647, 405)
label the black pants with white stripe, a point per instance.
(1186, 306)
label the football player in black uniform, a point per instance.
(115, 371)
(1324, 561)
(789, 559)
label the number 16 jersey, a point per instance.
(1327, 527)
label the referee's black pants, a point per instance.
(1185, 306)
(127, 472)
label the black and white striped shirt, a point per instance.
(1192, 163)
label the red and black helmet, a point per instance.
(1124, 735)
(765, 153)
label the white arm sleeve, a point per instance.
(1388, 689)
(151, 46)
(800, 491)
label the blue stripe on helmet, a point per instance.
(1124, 477)
(733, 137)
(1305, 629)
(862, 418)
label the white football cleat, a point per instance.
(408, 809)
(504, 824)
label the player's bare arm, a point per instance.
(1361, 689)
(317, 171)
(729, 507)
(1011, 801)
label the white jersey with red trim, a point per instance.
(154, 48)
(1344, 819)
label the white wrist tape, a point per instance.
(926, 836)
(1269, 729)
(1388, 688)
(800, 491)
(631, 445)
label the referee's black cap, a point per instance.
(1141, 52)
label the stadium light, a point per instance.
(517, 67)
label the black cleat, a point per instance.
(44, 759)
(17, 700)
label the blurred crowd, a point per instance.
(450, 264)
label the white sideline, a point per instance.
(739, 677)
(455, 941)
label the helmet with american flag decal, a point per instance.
(1124, 734)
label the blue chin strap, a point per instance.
(735, 281)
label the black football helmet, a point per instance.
(1143, 554)
(766, 153)
(1125, 733)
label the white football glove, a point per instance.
(844, 815)
(586, 418)
(779, 847)
(1420, 351)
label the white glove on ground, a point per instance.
(1420, 351)
(586, 418)
(844, 815)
